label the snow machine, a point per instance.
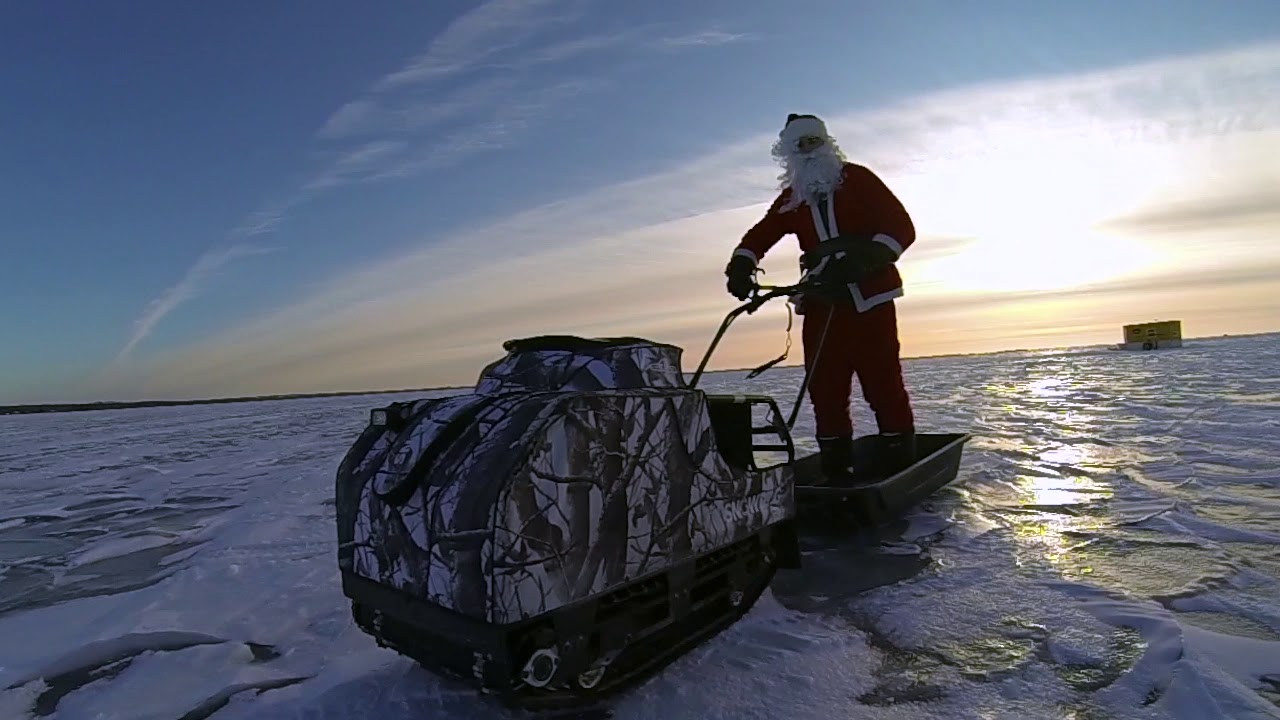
(581, 518)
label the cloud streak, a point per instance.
(397, 130)
(494, 26)
(490, 29)
(1257, 206)
(709, 38)
(195, 278)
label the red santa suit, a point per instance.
(862, 337)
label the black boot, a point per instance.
(895, 452)
(835, 456)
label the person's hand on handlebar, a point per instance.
(742, 277)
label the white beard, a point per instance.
(811, 175)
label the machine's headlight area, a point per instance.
(391, 417)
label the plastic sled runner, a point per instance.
(580, 519)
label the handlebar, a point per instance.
(761, 295)
(770, 292)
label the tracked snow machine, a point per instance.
(584, 516)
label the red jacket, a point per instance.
(862, 205)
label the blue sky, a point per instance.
(288, 197)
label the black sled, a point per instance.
(579, 520)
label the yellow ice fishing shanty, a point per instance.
(1153, 335)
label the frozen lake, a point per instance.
(1111, 549)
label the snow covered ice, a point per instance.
(1110, 549)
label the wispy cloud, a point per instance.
(570, 49)
(644, 256)
(402, 112)
(1256, 206)
(408, 114)
(488, 30)
(498, 47)
(505, 126)
(403, 125)
(196, 277)
(358, 164)
(707, 38)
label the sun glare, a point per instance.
(1031, 201)
(1052, 259)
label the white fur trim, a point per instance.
(864, 304)
(889, 242)
(747, 254)
(818, 225)
(821, 227)
(802, 127)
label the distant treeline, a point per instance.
(117, 405)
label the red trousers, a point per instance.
(862, 344)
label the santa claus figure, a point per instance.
(851, 229)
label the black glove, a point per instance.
(742, 276)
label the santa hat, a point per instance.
(799, 126)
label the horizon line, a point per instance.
(54, 407)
